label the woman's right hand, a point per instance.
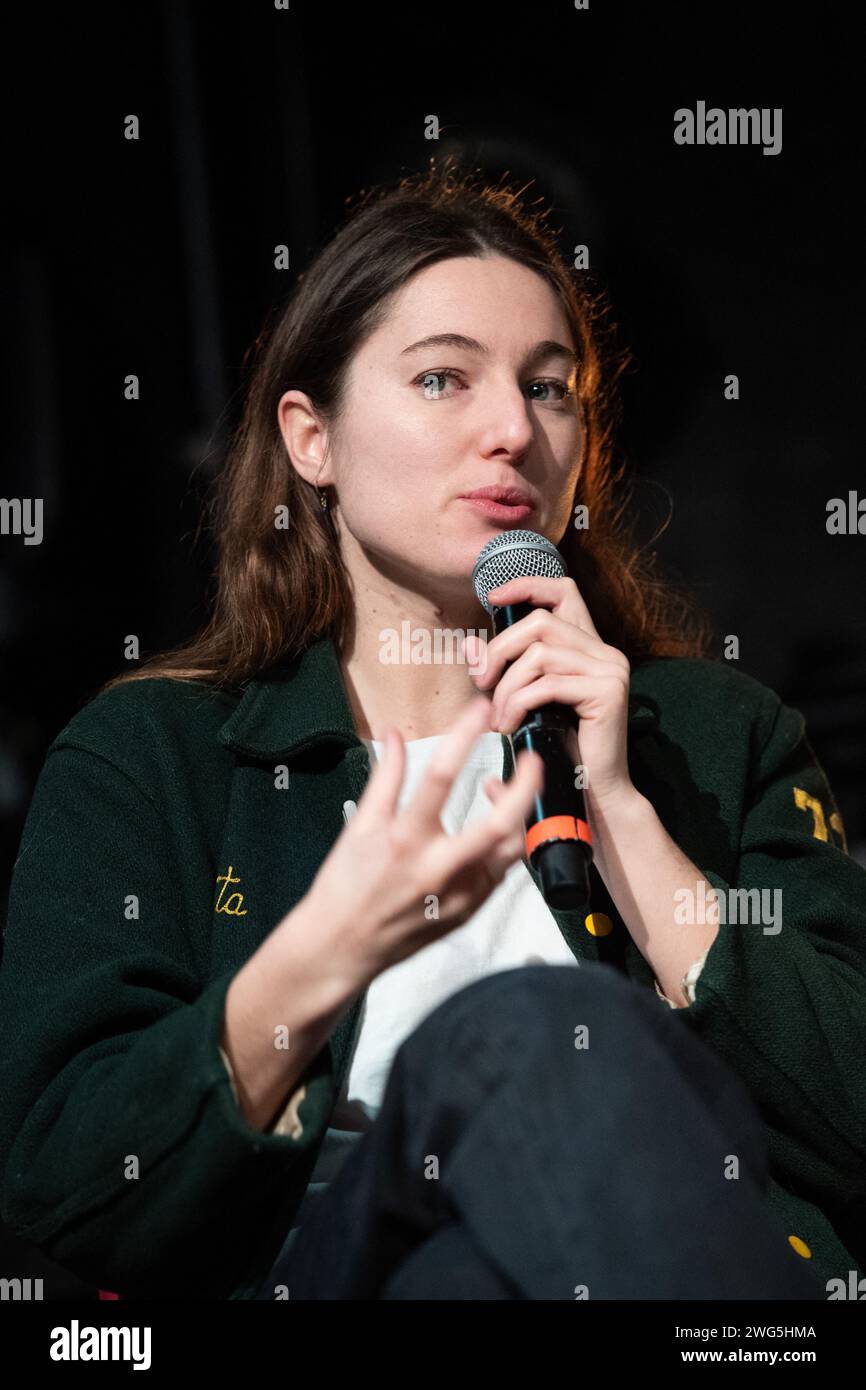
(395, 880)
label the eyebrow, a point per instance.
(545, 349)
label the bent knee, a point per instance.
(593, 990)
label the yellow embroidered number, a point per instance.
(805, 802)
(811, 803)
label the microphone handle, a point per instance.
(558, 838)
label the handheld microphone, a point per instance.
(558, 838)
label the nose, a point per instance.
(506, 421)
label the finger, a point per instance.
(493, 787)
(543, 658)
(561, 595)
(381, 795)
(513, 803)
(500, 858)
(583, 694)
(509, 851)
(538, 629)
(422, 814)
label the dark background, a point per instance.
(155, 257)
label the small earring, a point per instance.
(323, 499)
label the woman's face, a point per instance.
(424, 425)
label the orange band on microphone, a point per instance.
(557, 828)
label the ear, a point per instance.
(305, 437)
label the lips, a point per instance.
(505, 505)
(496, 511)
(509, 496)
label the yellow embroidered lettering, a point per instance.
(226, 879)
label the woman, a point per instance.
(278, 1026)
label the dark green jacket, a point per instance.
(111, 1023)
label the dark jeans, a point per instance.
(563, 1170)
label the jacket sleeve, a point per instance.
(690, 979)
(782, 991)
(286, 1121)
(123, 1153)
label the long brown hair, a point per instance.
(278, 590)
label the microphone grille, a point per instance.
(513, 555)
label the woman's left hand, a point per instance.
(557, 655)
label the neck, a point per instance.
(403, 663)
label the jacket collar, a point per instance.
(301, 704)
(304, 703)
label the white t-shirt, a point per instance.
(513, 927)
